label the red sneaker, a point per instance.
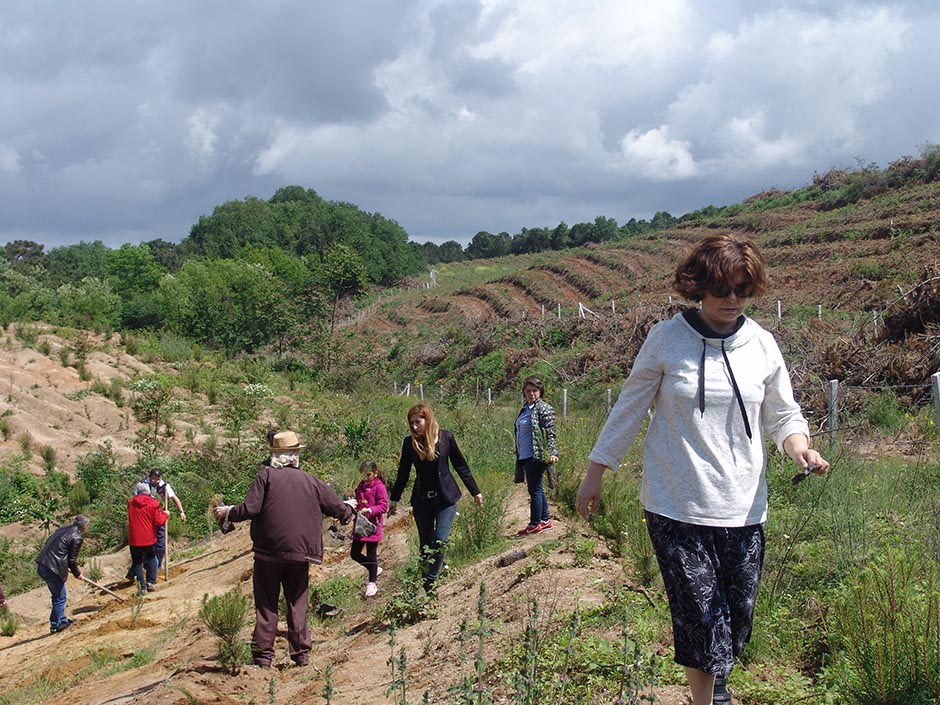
(545, 525)
(530, 529)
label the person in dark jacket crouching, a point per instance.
(58, 556)
(286, 507)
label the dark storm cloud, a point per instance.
(127, 121)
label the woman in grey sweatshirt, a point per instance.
(717, 383)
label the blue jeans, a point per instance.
(538, 502)
(434, 525)
(56, 586)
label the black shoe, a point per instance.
(720, 694)
(61, 627)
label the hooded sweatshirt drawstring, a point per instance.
(734, 386)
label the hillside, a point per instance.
(862, 277)
(872, 266)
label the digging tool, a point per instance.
(102, 587)
(166, 543)
(803, 474)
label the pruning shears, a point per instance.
(802, 474)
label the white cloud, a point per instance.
(787, 86)
(200, 137)
(657, 156)
(9, 159)
(450, 116)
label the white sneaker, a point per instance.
(371, 589)
(378, 571)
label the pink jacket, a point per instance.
(373, 494)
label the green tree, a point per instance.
(71, 264)
(90, 303)
(133, 270)
(24, 255)
(340, 273)
(151, 404)
(232, 226)
(227, 304)
(451, 251)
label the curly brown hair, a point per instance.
(718, 264)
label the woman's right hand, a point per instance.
(589, 492)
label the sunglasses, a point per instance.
(742, 291)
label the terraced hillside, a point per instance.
(844, 271)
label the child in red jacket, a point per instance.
(372, 501)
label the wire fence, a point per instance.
(489, 396)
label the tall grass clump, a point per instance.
(226, 615)
(885, 629)
(478, 531)
(9, 622)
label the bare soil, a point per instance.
(51, 404)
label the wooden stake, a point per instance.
(166, 542)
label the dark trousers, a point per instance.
(159, 548)
(268, 580)
(143, 559)
(370, 561)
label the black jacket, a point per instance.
(60, 553)
(447, 450)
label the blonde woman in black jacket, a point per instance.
(431, 450)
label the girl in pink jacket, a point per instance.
(372, 501)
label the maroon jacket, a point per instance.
(286, 508)
(144, 515)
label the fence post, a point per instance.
(559, 312)
(819, 312)
(935, 378)
(779, 311)
(608, 400)
(833, 410)
(564, 403)
(489, 395)
(421, 391)
(442, 394)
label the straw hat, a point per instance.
(285, 440)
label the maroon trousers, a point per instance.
(268, 579)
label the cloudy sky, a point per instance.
(124, 121)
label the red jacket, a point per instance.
(144, 515)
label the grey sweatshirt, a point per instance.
(701, 466)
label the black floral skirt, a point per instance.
(711, 576)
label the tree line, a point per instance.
(253, 274)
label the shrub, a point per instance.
(48, 458)
(226, 615)
(478, 531)
(886, 625)
(9, 622)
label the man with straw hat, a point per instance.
(286, 507)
